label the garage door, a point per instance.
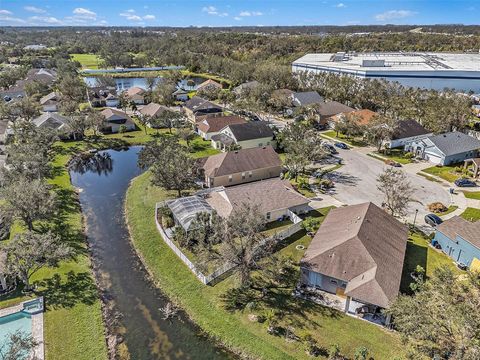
(434, 159)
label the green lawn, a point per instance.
(450, 209)
(73, 320)
(341, 137)
(471, 214)
(207, 305)
(420, 253)
(302, 186)
(395, 155)
(445, 172)
(88, 61)
(472, 195)
(428, 177)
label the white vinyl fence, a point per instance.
(207, 279)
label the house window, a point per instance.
(243, 176)
(250, 174)
(333, 281)
(211, 181)
(269, 215)
(230, 178)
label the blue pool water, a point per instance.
(9, 324)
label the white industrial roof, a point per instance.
(394, 61)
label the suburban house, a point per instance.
(58, 123)
(49, 102)
(115, 119)
(363, 117)
(197, 106)
(406, 132)
(209, 85)
(212, 125)
(445, 149)
(245, 87)
(102, 96)
(240, 166)
(244, 136)
(306, 98)
(357, 254)
(275, 198)
(136, 94)
(45, 77)
(152, 110)
(329, 109)
(180, 95)
(52, 121)
(459, 239)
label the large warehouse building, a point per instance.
(424, 70)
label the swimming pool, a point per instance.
(19, 321)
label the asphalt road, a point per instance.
(356, 182)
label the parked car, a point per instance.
(462, 266)
(433, 220)
(330, 148)
(465, 183)
(393, 163)
(341, 145)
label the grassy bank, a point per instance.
(73, 327)
(446, 172)
(88, 61)
(207, 305)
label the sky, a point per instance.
(236, 12)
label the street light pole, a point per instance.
(415, 218)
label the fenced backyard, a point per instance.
(210, 278)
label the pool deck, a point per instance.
(37, 327)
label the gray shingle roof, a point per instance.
(307, 98)
(50, 120)
(251, 130)
(455, 143)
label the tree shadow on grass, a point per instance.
(76, 288)
(415, 255)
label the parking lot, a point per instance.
(356, 182)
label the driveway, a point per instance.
(356, 182)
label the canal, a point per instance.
(103, 181)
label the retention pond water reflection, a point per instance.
(103, 181)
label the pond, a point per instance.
(102, 181)
(189, 84)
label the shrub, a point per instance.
(122, 129)
(437, 207)
(409, 155)
(326, 183)
(311, 224)
(361, 353)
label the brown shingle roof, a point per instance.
(363, 245)
(235, 162)
(217, 123)
(458, 226)
(268, 195)
(408, 128)
(153, 109)
(209, 83)
(332, 108)
(109, 112)
(135, 91)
